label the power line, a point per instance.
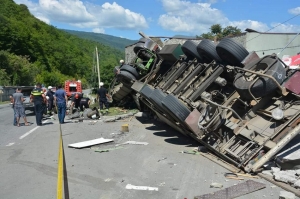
(275, 26)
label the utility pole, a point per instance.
(98, 68)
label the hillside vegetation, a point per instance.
(112, 41)
(32, 51)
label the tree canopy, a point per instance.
(216, 31)
(32, 51)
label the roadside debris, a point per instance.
(236, 176)
(92, 122)
(90, 143)
(162, 184)
(134, 143)
(216, 185)
(129, 186)
(246, 187)
(161, 159)
(193, 152)
(286, 195)
(107, 150)
(125, 128)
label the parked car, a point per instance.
(26, 90)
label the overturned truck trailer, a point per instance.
(242, 107)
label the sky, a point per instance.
(166, 18)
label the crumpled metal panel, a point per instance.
(293, 84)
(234, 191)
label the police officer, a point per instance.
(102, 94)
(39, 99)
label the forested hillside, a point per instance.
(32, 51)
(109, 40)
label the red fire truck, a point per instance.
(72, 87)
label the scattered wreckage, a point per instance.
(242, 107)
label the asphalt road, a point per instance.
(28, 166)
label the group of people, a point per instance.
(40, 98)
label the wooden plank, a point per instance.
(90, 143)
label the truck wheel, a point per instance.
(207, 50)
(157, 97)
(125, 77)
(178, 110)
(263, 86)
(130, 69)
(189, 48)
(146, 91)
(231, 52)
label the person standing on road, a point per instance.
(39, 99)
(50, 99)
(19, 109)
(84, 102)
(102, 94)
(61, 100)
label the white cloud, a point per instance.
(68, 11)
(115, 16)
(244, 24)
(295, 11)
(98, 30)
(86, 15)
(185, 16)
(287, 28)
(196, 18)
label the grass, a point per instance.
(5, 102)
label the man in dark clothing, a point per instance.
(39, 99)
(85, 101)
(61, 100)
(102, 94)
(50, 98)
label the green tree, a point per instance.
(216, 31)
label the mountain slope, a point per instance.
(42, 53)
(109, 40)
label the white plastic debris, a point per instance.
(130, 186)
(216, 185)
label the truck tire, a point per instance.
(130, 69)
(125, 77)
(231, 52)
(189, 48)
(263, 85)
(207, 50)
(146, 91)
(175, 108)
(157, 97)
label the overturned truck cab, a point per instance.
(242, 107)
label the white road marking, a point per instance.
(29, 132)
(10, 144)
